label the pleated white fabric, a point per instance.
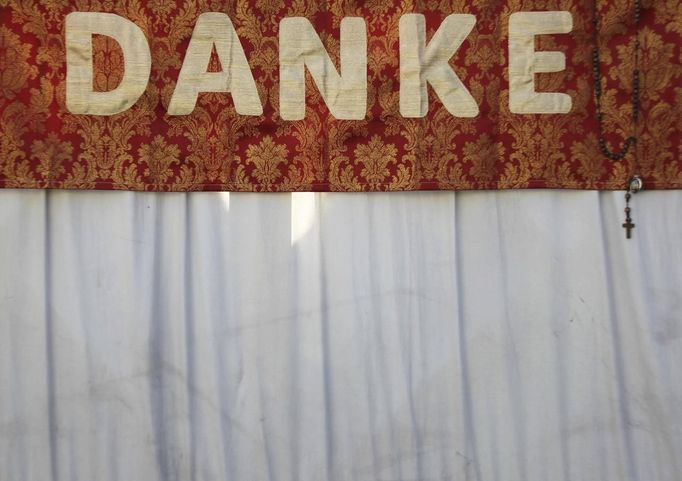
(511, 336)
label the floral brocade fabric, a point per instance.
(44, 145)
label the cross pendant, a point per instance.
(628, 226)
(635, 185)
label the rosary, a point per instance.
(636, 183)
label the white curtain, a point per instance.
(511, 336)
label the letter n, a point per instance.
(299, 46)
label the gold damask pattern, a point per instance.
(42, 145)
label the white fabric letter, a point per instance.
(214, 28)
(300, 47)
(80, 96)
(525, 62)
(421, 63)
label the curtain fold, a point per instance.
(327, 336)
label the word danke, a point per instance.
(300, 47)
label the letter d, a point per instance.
(80, 96)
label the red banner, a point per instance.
(341, 96)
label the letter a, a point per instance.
(80, 96)
(214, 28)
(421, 63)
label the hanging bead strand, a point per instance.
(596, 71)
(636, 183)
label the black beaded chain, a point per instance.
(632, 140)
